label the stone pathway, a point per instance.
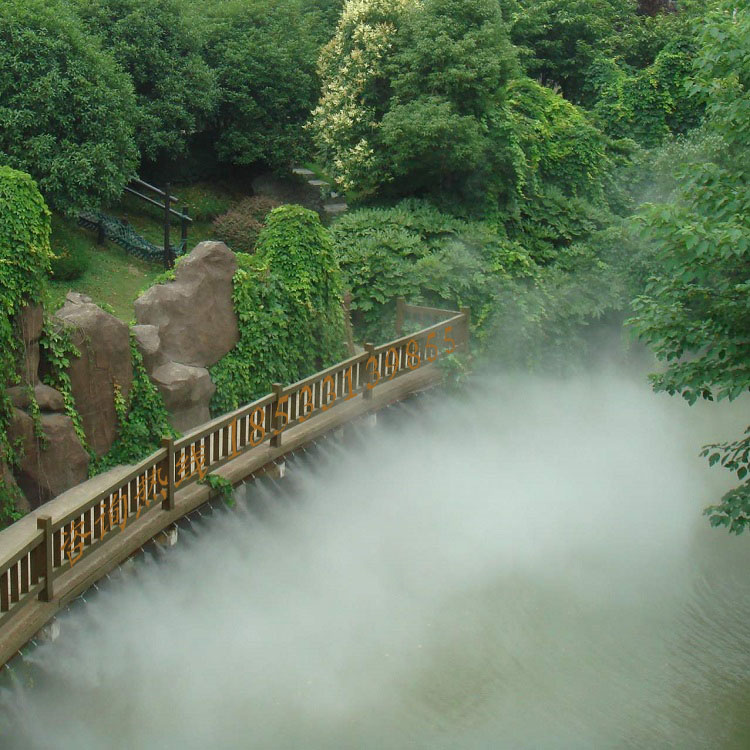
(334, 205)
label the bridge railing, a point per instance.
(33, 559)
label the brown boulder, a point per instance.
(186, 391)
(48, 398)
(148, 343)
(194, 315)
(51, 464)
(19, 396)
(104, 343)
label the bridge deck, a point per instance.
(27, 623)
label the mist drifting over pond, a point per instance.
(525, 568)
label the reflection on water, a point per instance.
(526, 570)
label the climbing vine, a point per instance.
(58, 347)
(25, 257)
(288, 302)
(142, 417)
(221, 485)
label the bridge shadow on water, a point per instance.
(522, 566)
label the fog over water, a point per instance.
(524, 568)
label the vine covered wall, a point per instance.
(24, 263)
(288, 299)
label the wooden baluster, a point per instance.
(168, 503)
(25, 574)
(277, 421)
(45, 524)
(370, 351)
(14, 593)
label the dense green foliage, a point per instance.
(66, 109)
(263, 56)
(694, 311)
(649, 104)
(441, 132)
(288, 299)
(561, 38)
(413, 250)
(522, 312)
(24, 264)
(158, 44)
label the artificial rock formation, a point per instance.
(47, 398)
(186, 391)
(52, 463)
(53, 458)
(194, 315)
(104, 344)
(184, 327)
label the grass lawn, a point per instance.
(116, 278)
(113, 277)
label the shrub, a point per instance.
(204, 202)
(70, 252)
(70, 262)
(240, 226)
(67, 110)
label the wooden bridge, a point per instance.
(56, 552)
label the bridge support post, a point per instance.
(168, 259)
(400, 311)
(45, 524)
(184, 229)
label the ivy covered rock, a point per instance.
(186, 325)
(102, 369)
(288, 299)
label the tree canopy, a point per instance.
(67, 111)
(695, 311)
(158, 43)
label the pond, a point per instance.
(526, 566)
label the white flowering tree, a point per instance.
(413, 95)
(355, 92)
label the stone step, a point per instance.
(318, 183)
(304, 172)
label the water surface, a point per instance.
(528, 568)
